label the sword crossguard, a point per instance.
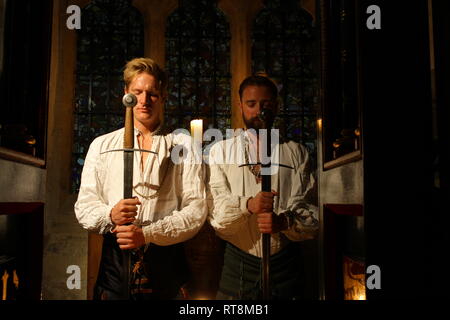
(129, 150)
(273, 164)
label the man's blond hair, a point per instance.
(140, 65)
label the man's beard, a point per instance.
(253, 123)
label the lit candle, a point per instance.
(197, 130)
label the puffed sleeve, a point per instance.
(184, 223)
(230, 211)
(91, 209)
(302, 213)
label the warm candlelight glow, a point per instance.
(319, 124)
(197, 130)
(354, 279)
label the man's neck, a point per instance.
(253, 135)
(253, 145)
(145, 130)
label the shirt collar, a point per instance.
(154, 133)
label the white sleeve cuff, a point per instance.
(243, 204)
(109, 223)
(148, 234)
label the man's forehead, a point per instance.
(144, 80)
(261, 92)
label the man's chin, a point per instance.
(254, 125)
(144, 113)
(148, 121)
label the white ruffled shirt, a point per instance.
(232, 185)
(173, 206)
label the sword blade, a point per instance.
(266, 186)
(127, 193)
(266, 266)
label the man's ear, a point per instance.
(125, 90)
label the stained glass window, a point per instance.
(284, 46)
(112, 32)
(198, 64)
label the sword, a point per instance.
(266, 117)
(129, 101)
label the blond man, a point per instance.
(168, 204)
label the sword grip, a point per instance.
(128, 139)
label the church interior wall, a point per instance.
(65, 242)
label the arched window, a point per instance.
(112, 32)
(284, 47)
(198, 64)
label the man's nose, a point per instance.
(259, 108)
(145, 98)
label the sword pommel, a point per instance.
(129, 101)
